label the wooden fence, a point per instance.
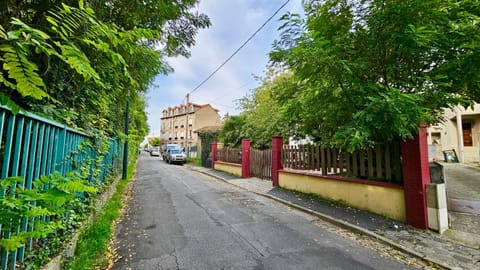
(261, 163)
(231, 155)
(383, 162)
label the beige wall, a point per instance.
(447, 133)
(201, 117)
(206, 116)
(231, 168)
(381, 199)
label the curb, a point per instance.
(340, 223)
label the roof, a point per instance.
(191, 103)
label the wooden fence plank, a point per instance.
(370, 163)
(378, 158)
(355, 163)
(323, 161)
(388, 164)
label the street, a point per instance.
(179, 219)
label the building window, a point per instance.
(190, 121)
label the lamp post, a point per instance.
(186, 126)
(125, 148)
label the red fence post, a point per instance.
(245, 158)
(214, 154)
(416, 175)
(277, 144)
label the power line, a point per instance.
(241, 47)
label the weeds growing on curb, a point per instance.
(94, 239)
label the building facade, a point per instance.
(178, 124)
(459, 131)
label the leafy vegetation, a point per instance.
(80, 62)
(262, 116)
(195, 161)
(155, 142)
(371, 71)
(94, 239)
(27, 208)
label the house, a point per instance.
(459, 130)
(179, 123)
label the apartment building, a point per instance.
(179, 123)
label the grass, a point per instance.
(195, 160)
(94, 239)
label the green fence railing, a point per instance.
(32, 146)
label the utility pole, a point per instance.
(186, 126)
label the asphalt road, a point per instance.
(179, 219)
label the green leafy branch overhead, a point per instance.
(371, 71)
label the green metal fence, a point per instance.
(31, 146)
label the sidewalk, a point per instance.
(422, 244)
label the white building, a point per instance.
(459, 131)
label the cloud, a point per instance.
(233, 22)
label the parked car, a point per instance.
(176, 156)
(167, 147)
(155, 152)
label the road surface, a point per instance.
(179, 219)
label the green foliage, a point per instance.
(262, 116)
(195, 161)
(155, 142)
(49, 199)
(233, 131)
(371, 71)
(60, 58)
(94, 239)
(16, 46)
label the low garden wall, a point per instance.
(231, 168)
(377, 197)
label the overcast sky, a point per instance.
(233, 22)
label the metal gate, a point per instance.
(261, 163)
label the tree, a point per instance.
(81, 65)
(233, 131)
(372, 71)
(155, 142)
(261, 116)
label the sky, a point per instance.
(233, 22)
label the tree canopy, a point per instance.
(262, 115)
(374, 70)
(80, 62)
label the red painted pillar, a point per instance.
(277, 144)
(245, 158)
(416, 175)
(214, 154)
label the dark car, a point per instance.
(175, 156)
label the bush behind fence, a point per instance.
(32, 147)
